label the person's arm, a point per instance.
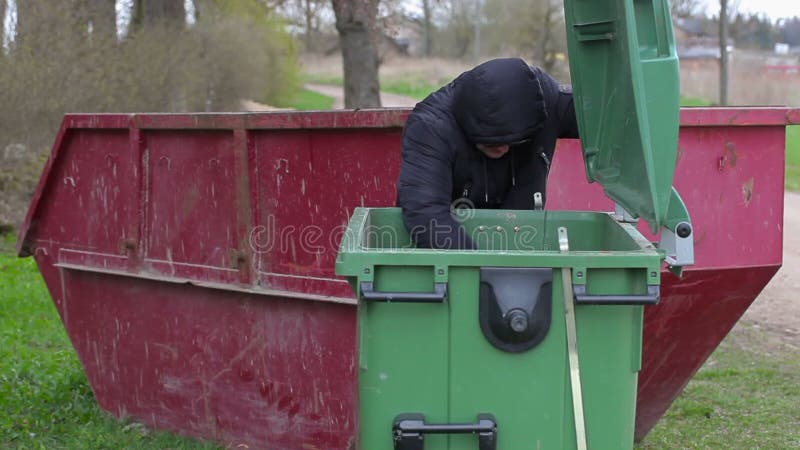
(424, 189)
(568, 122)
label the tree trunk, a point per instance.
(2, 25)
(308, 14)
(546, 36)
(355, 22)
(476, 49)
(426, 11)
(723, 52)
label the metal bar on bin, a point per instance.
(572, 344)
(582, 298)
(368, 294)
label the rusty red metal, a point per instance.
(191, 257)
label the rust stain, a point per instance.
(747, 191)
(729, 158)
(792, 117)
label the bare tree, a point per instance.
(427, 26)
(58, 66)
(460, 25)
(305, 15)
(685, 8)
(311, 9)
(543, 48)
(355, 22)
(527, 27)
(723, 52)
(2, 24)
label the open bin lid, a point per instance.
(626, 88)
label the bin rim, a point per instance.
(353, 256)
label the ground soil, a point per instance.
(777, 309)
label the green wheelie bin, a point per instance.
(469, 349)
(533, 341)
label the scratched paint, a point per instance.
(747, 191)
(729, 158)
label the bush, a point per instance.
(235, 51)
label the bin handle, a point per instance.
(582, 298)
(656, 14)
(368, 294)
(409, 429)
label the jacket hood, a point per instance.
(500, 102)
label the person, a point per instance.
(485, 140)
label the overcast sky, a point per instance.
(774, 9)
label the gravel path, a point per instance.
(777, 309)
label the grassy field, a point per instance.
(743, 397)
(308, 100)
(746, 396)
(416, 87)
(45, 400)
(793, 158)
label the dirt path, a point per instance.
(337, 93)
(777, 309)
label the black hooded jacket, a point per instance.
(502, 101)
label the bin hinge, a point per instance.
(622, 215)
(678, 245)
(538, 203)
(677, 236)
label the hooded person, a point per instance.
(485, 140)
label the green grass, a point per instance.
(317, 78)
(744, 396)
(416, 87)
(308, 100)
(685, 101)
(793, 158)
(45, 399)
(7, 243)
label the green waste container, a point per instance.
(477, 349)
(439, 345)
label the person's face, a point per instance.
(493, 151)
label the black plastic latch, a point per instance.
(514, 308)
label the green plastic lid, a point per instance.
(625, 82)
